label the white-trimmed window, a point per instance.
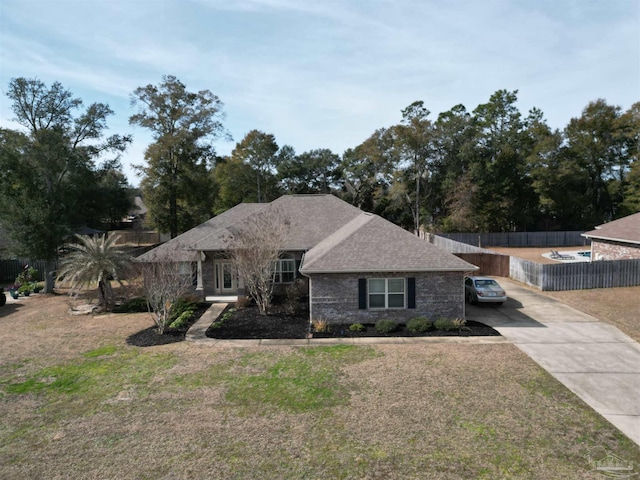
(386, 292)
(284, 270)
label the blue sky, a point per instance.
(326, 74)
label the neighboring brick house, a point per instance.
(616, 240)
(359, 267)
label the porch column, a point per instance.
(199, 286)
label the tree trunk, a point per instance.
(105, 294)
(49, 277)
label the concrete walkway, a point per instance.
(595, 360)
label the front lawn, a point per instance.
(76, 401)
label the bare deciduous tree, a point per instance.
(164, 281)
(254, 247)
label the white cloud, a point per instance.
(328, 73)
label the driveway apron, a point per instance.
(595, 360)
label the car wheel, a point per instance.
(471, 299)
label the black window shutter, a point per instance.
(362, 293)
(411, 291)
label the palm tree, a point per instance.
(95, 260)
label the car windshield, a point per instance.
(486, 283)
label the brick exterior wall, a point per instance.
(606, 250)
(334, 297)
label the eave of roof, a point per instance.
(623, 230)
(611, 239)
(471, 268)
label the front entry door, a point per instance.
(226, 279)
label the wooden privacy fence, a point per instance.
(547, 277)
(454, 246)
(576, 276)
(489, 263)
(520, 239)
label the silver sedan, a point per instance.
(483, 290)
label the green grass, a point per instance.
(83, 385)
(339, 412)
(306, 380)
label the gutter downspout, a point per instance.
(310, 286)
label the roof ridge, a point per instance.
(350, 228)
(243, 218)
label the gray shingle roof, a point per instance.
(183, 247)
(336, 236)
(313, 218)
(370, 243)
(626, 229)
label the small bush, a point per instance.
(294, 296)
(182, 320)
(27, 275)
(356, 327)
(459, 324)
(135, 305)
(181, 306)
(320, 325)
(226, 316)
(443, 323)
(448, 324)
(385, 326)
(418, 325)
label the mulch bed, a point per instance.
(150, 337)
(471, 329)
(247, 323)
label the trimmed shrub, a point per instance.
(356, 327)
(448, 324)
(184, 318)
(418, 325)
(134, 305)
(182, 305)
(385, 326)
(182, 311)
(443, 323)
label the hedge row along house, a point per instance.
(358, 267)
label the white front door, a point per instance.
(226, 278)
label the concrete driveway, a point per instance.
(593, 359)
